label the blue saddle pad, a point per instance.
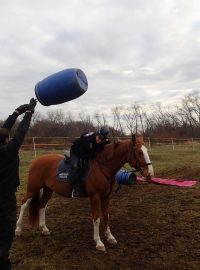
(63, 171)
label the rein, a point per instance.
(146, 164)
(138, 167)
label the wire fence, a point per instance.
(63, 143)
(174, 143)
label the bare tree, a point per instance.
(100, 119)
(156, 120)
(117, 120)
(86, 121)
(130, 117)
(56, 116)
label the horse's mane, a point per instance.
(109, 150)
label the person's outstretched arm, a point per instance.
(24, 125)
(10, 121)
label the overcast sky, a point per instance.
(142, 51)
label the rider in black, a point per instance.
(85, 148)
(9, 177)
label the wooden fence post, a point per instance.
(192, 144)
(34, 148)
(173, 144)
(149, 144)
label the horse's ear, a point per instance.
(133, 139)
(116, 141)
(140, 139)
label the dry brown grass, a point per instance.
(157, 227)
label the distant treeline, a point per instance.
(157, 120)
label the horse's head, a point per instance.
(139, 158)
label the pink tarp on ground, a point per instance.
(170, 182)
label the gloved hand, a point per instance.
(32, 104)
(21, 109)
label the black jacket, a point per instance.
(86, 147)
(9, 158)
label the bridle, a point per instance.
(138, 167)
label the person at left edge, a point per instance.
(9, 177)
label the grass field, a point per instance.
(181, 163)
(173, 163)
(157, 227)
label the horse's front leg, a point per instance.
(95, 209)
(105, 213)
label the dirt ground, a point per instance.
(157, 228)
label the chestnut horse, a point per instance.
(98, 183)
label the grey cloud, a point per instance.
(130, 50)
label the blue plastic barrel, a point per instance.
(61, 87)
(125, 177)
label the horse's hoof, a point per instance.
(112, 241)
(101, 248)
(18, 233)
(46, 233)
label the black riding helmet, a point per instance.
(103, 132)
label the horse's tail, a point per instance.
(34, 207)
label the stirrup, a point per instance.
(75, 193)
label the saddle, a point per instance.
(63, 171)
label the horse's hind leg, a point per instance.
(46, 196)
(105, 213)
(25, 204)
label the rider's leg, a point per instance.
(74, 171)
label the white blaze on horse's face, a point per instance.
(147, 159)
